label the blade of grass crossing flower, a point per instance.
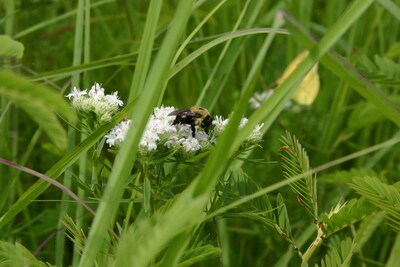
(146, 47)
(142, 243)
(83, 159)
(77, 60)
(254, 73)
(286, 89)
(157, 77)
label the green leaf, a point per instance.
(282, 219)
(365, 114)
(346, 214)
(10, 47)
(17, 255)
(344, 177)
(107, 210)
(147, 195)
(144, 241)
(340, 256)
(199, 254)
(367, 228)
(75, 234)
(382, 71)
(295, 162)
(383, 196)
(41, 103)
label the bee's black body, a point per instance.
(193, 116)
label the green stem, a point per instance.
(314, 245)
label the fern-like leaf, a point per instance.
(346, 214)
(382, 71)
(75, 234)
(383, 196)
(282, 225)
(236, 184)
(295, 162)
(12, 255)
(344, 176)
(199, 254)
(341, 256)
(366, 114)
(367, 228)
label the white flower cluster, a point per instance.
(95, 102)
(255, 136)
(161, 135)
(259, 98)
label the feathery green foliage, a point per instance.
(295, 162)
(340, 256)
(383, 196)
(346, 214)
(18, 255)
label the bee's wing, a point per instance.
(182, 112)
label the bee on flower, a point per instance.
(179, 131)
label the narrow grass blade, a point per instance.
(157, 77)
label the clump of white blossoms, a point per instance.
(160, 135)
(254, 138)
(95, 104)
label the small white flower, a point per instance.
(96, 92)
(219, 124)
(118, 133)
(191, 145)
(256, 134)
(114, 99)
(76, 93)
(163, 113)
(243, 122)
(149, 141)
(258, 98)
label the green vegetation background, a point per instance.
(340, 122)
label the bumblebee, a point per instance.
(194, 116)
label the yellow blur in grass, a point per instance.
(309, 87)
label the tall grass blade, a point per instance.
(124, 161)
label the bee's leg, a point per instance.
(193, 130)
